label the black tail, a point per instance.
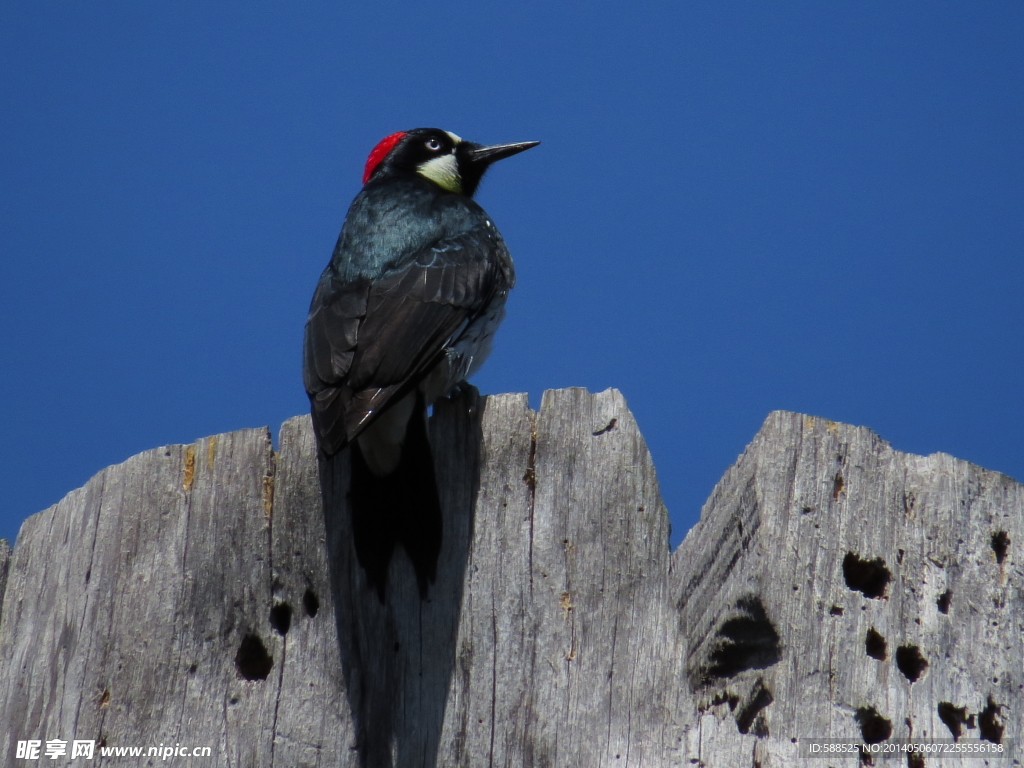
(400, 508)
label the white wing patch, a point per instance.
(443, 171)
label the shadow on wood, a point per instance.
(398, 657)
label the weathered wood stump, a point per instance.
(834, 588)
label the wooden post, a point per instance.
(203, 596)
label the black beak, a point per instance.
(495, 152)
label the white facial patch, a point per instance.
(443, 171)
(455, 139)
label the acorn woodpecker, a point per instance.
(404, 312)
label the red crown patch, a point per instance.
(379, 152)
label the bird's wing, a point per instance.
(368, 343)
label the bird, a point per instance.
(403, 314)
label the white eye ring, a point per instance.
(434, 144)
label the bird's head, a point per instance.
(442, 157)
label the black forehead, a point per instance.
(419, 135)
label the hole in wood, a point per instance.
(955, 718)
(869, 577)
(837, 485)
(530, 478)
(910, 662)
(1000, 543)
(873, 727)
(310, 603)
(749, 718)
(874, 645)
(745, 641)
(252, 660)
(281, 618)
(990, 724)
(915, 760)
(943, 601)
(725, 698)
(835, 610)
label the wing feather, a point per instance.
(367, 344)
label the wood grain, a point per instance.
(208, 595)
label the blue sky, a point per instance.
(737, 207)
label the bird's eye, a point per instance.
(434, 144)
